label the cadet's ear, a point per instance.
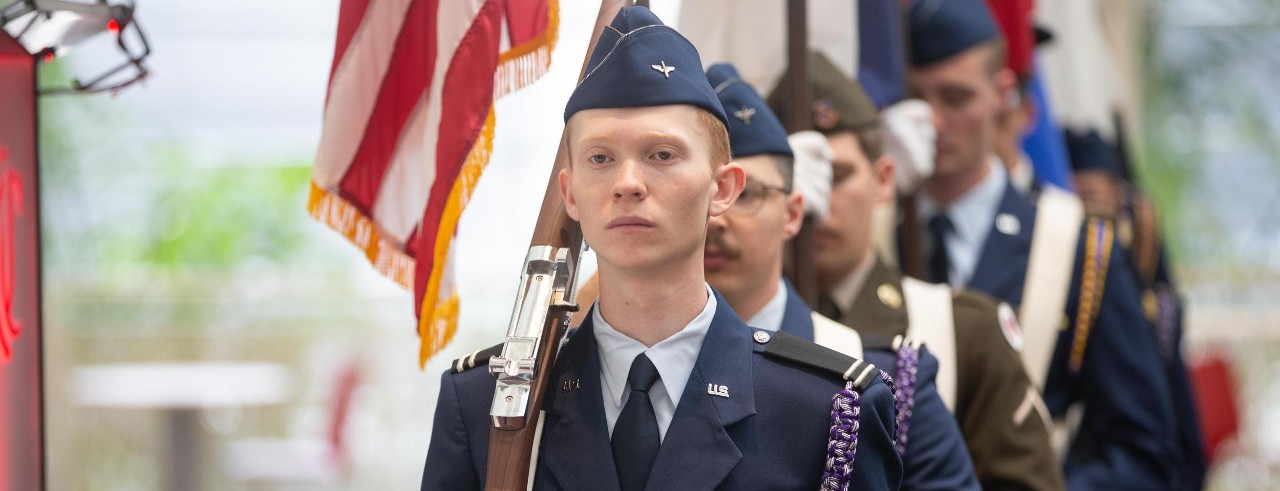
(795, 214)
(566, 191)
(883, 170)
(729, 180)
(1006, 88)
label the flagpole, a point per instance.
(910, 243)
(539, 320)
(795, 117)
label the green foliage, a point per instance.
(218, 218)
(104, 207)
(1204, 103)
(1167, 163)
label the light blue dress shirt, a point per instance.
(770, 316)
(674, 358)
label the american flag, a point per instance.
(408, 128)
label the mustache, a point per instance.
(717, 243)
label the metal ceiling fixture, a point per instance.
(48, 29)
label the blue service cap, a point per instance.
(753, 128)
(1089, 151)
(640, 62)
(941, 29)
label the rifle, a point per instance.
(544, 303)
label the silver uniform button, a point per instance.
(761, 337)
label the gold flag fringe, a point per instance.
(343, 217)
(518, 67)
(526, 62)
(439, 319)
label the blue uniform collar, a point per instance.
(797, 319)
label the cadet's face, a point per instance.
(744, 246)
(966, 100)
(642, 184)
(844, 239)
(1099, 192)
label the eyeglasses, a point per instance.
(753, 197)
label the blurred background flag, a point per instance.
(882, 59)
(408, 128)
(751, 34)
(1043, 144)
(1080, 77)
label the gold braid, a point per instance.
(1092, 283)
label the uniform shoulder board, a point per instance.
(482, 357)
(476, 359)
(1099, 237)
(790, 348)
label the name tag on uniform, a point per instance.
(718, 390)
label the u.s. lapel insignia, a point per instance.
(662, 67)
(718, 390)
(570, 385)
(889, 296)
(1008, 224)
(745, 114)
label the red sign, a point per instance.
(21, 379)
(10, 209)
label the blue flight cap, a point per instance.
(753, 128)
(640, 62)
(941, 29)
(1089, 151)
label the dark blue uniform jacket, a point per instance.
(1126, 435)
(770, 434)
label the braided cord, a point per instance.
(904, 400)
(842, 443)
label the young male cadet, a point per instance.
(743, 261)
(1097, 171)
(667, 388)
(1000, 412)
(1085, 342)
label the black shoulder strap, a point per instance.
(796, 350)
(476, 359)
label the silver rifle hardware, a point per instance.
(546, 288)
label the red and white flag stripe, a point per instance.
(408, 127)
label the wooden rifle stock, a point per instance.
(511, 450)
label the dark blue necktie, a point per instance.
(635, 434)
(938, 263)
